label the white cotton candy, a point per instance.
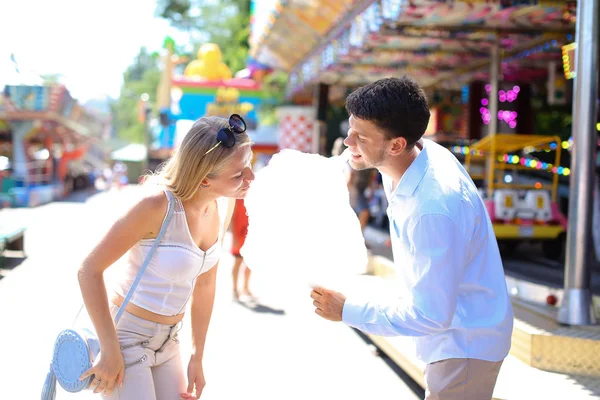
(302, 230)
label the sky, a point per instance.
(90, 43)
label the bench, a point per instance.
(12, 239)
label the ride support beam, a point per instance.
(493, 104)
(577, 307)
(321, 101)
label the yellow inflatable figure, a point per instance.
(232, 95)
(209, 64)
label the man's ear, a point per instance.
(397, 146)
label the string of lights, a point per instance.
(529, 162)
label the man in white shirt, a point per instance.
(453, 298)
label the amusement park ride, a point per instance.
(519, 211)
(206, 87)
(51, 142)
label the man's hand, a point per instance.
(329, 304)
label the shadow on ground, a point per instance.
(410, 382)
(257, 307)
(590, 383)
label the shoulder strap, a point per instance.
(163, 228)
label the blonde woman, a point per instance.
(140, 357)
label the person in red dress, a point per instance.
(239, 230)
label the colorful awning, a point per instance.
(285, 34)
(441, 43)
(50, 104)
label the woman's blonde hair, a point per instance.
(183, 173)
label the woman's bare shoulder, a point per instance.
(151, 204)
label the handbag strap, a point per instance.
(163, 228)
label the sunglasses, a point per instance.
(226, 136)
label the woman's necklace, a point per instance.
(206, 212)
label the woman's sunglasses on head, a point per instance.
(226, 136)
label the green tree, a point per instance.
(139, 78)
(224, 22)
(273, 87)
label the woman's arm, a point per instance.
(203, 299)
(140, 221)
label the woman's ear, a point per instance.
(204, 184)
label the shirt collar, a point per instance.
(414, 173)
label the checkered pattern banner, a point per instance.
(296, 129)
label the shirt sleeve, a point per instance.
(437, 253)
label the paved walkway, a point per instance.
(277, 350)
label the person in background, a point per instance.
(380, 219)
(358, 182)
(239, 230)
(338, 147)
(119, 175)
(7, 182)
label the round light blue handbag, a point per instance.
(76, 349)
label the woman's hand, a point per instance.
(108, 370)
(195, 379)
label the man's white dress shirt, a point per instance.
(454, 299)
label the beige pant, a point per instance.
(461, 379)
(153, 369)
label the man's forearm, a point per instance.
(399, 319)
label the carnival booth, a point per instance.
(47, 135)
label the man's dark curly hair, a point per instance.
(398, 106)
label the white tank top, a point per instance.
(167, 285)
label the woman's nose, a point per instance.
(250, 175)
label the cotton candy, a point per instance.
(302, 230)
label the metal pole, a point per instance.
(321, 104)
(576, 307)
(493, 125)
(144, 98)
(494, 74)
